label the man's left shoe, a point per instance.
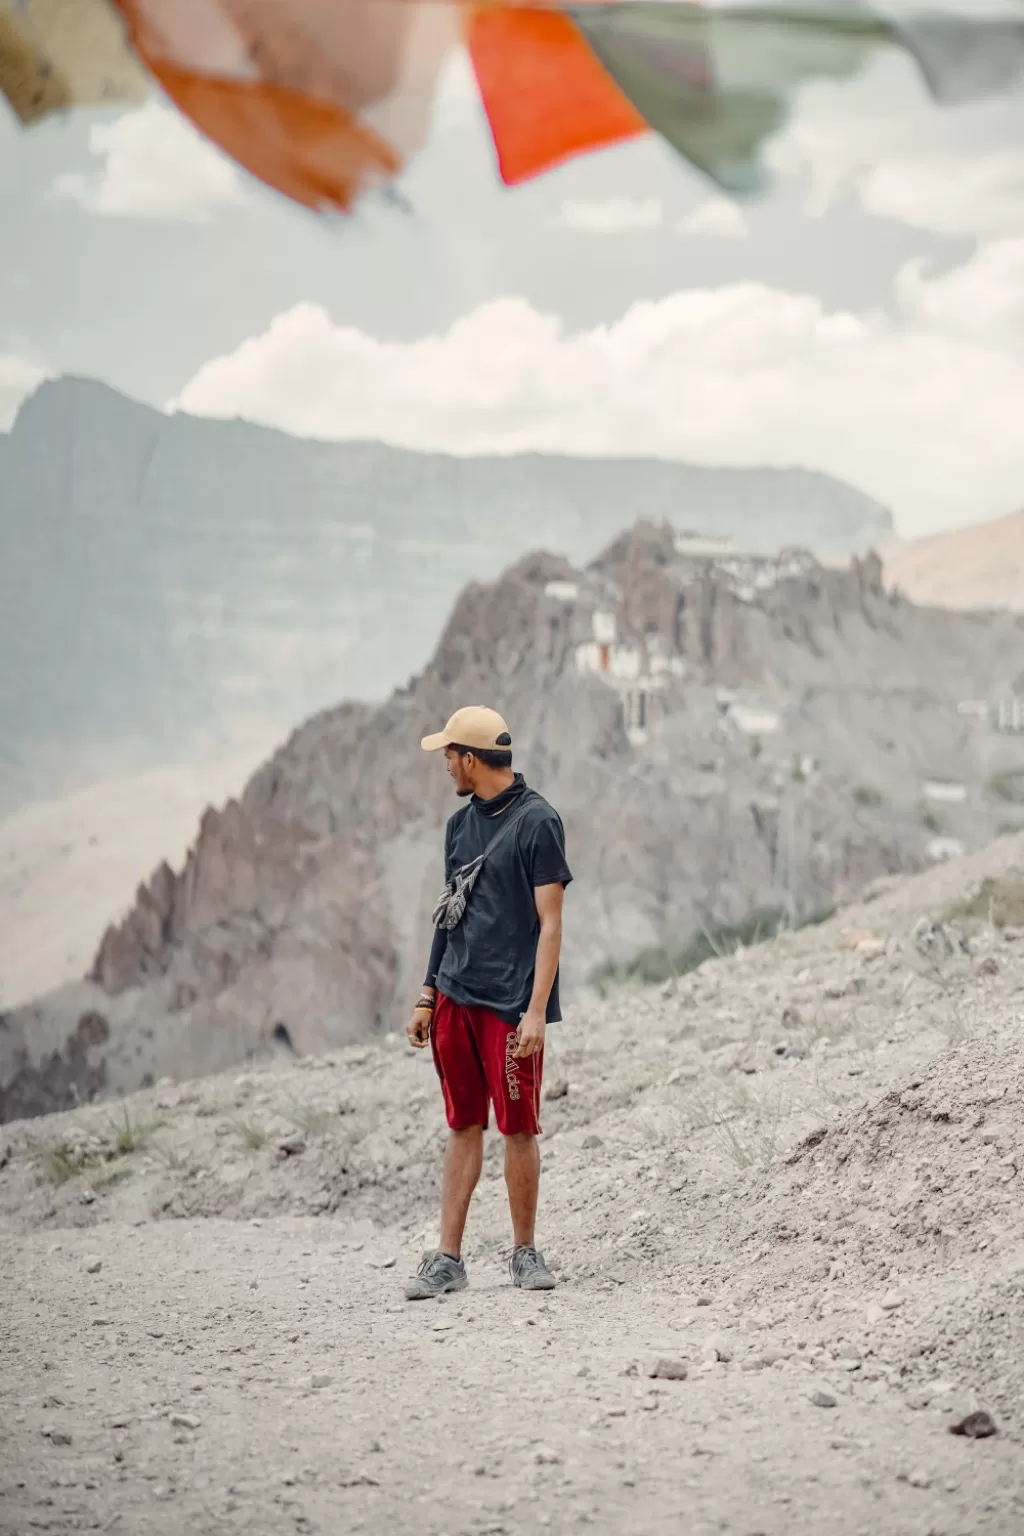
(527, 1269)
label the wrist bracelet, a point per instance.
(426, 1003)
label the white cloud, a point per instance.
(983, 299)
(18, 378)
(879, 138)
(155, 166)
(612, 216)
(927, 420)
(719, 218)
(964, 193)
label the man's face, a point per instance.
(459, 768)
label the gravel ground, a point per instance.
(793, 1178)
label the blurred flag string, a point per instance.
(325, 100)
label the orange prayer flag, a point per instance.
(546, 96)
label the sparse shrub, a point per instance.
(175, 1161)
(58, 1162)
(313, 1119)
(867, 795)
(996, 901)
(661, 962)
(253, 1134)
(1008, 785)
(133, 1135)
(746, 1126)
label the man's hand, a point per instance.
(530, 1034)
(418, 1027)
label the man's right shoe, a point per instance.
(438, 1273)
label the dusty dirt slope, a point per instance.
(794, 1174)
(979, 567)
(67, 865)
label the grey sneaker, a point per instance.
(527, 1269)
(438, 1273)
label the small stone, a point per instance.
(703, 1301)
(93, 1266)
(185, 1421)
(319, 1380)
(584, 1370)
(919, 1479)
(975, 1426)
(669, 1369)
(591, 1143)
(57, 1436)
(989, 966)
(891, 1300)
(88, 1196)
(544, 1456)
(293, 1146)
(558, 1089)
(716, 1348)
(823, 1399)
(875, 1314)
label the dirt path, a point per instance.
(312, 1399)
(798, 1172)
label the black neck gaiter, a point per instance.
(499, 803)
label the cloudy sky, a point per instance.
(866, 317)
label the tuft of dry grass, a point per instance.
(254, 1135)
(312, 1119)
(996, 901)
(57, 1162)
(745, 1124)
(132, 1135)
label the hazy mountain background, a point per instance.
(980, 567)
(762, 736)
(178, 590)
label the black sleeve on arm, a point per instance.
(545, 854)
(439, 943)
(437, 949)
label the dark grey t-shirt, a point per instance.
(489, 958)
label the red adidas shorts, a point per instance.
(473, 1056)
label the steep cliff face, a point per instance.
(719, 734)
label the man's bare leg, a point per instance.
(463, 1160)
(522, 1176)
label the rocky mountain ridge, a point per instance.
(720, 734)
(173, 588)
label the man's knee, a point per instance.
(466, 1133)
(520, 1141)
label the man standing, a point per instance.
(491, 987)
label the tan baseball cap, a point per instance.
(474, 726)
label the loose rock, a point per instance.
(975, 1426)
(668, 1369)
(185, 1421)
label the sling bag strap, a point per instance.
(451, 905)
